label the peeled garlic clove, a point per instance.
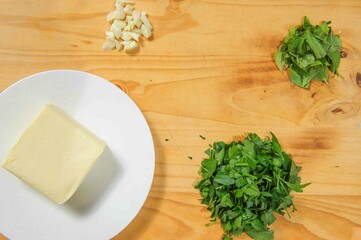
(128, 18)
(108, 44)
(111, 16)
(136, 15)
(121, 24)
(138, 31)
(133, 35)
(138, 23)
(119, 7)
(126, 37)
(119, 46)
(116, 14)
(145, 20)
(109, 35)
(145, 31)
(131, 25)
(128, 9)
(130, 46)
(115, 29)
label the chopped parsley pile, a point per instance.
(245, 183)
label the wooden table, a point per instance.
(209, 71)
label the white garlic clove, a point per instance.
(146, 31)
(145, 20)
(130, 46)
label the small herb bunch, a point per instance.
(244, 183)
(309, 52)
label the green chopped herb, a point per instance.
(225, 237)
(244, 183)
(190, 157)
(309, 51)
(201, 136)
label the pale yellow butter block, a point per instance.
(54, 154)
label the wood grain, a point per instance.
(209, 70)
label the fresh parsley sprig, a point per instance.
(245, 183)
(309, 51)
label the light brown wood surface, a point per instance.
(209, 70)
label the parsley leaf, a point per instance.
(309, 51)
(244, 183)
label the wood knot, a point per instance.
(339, 111)
(358, 79)
(349, 108)
(343, 54)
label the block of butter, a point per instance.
(54, 154)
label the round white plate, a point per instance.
(118, 184)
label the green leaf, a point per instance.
(321, 73)
(239, 193)
(292, 31)
(240, 182)
(268, 218)
(296, 78)
(294, 46)
(277, 162)
(306, 80)
(276, 146)
(301, 46)
(325, 28)
(334, 43)
(226, 201)
(208, 167)
(315, 45)
(237, 223)
(294, 170)
(279, 61)
(227, 226)
(220, 156)
(261, 235)
(306, 21)
(305, 61)
(297, 187)
(335, 59)
(218, 146)
(266, 194)
(233, 151)
(210, 153)
(232, 214)
(252, 190)
(257, 224)
(225, 237)
(223, 179)
(249, 152)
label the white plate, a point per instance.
(117, 186)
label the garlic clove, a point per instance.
(145, 20)
(145, 31)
